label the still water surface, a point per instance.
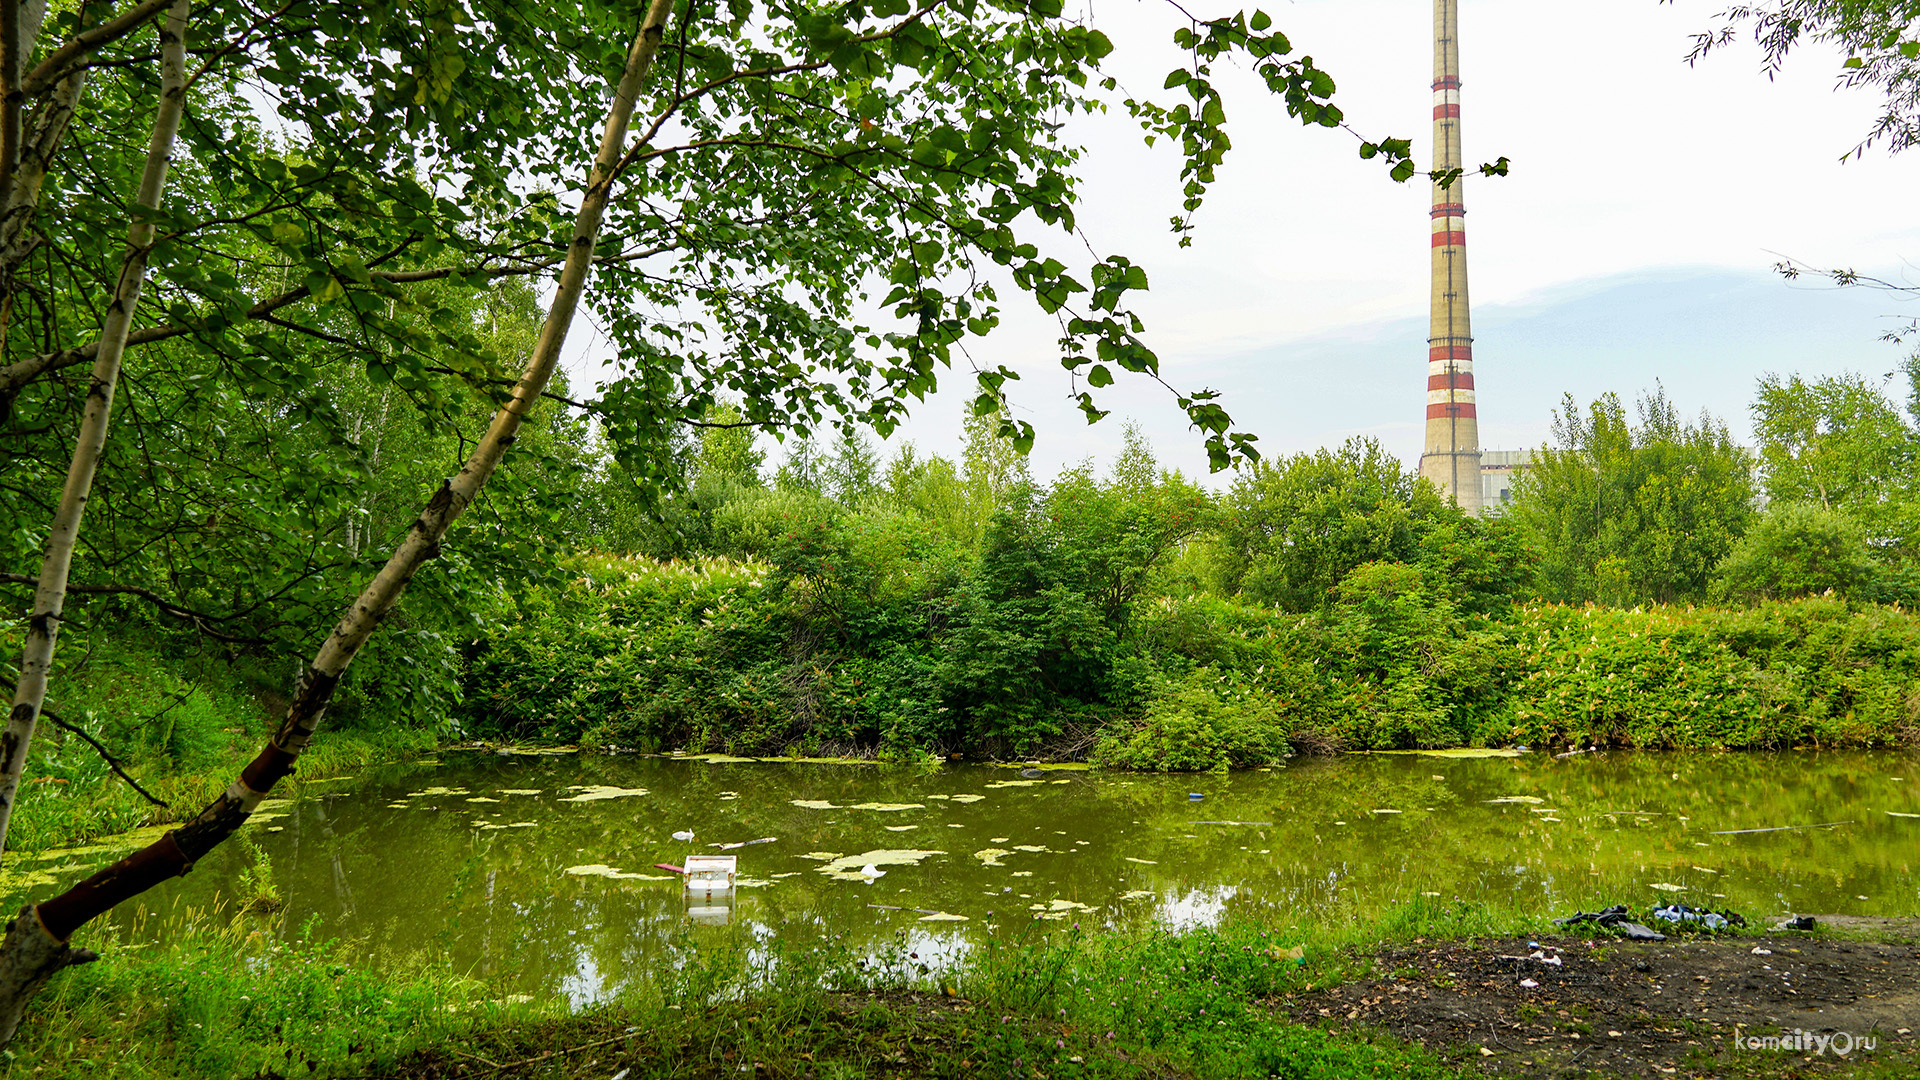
(537, 871)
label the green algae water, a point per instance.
(537, 871)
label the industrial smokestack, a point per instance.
(1451, 458)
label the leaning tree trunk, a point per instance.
(35, 945)
(43, 625)
(40, 955)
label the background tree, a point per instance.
(1630, 513)
(1837, 442)
(1796, 549)
(1290, 530)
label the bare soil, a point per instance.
(1618, 1008)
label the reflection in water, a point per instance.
(501, 865)
(708, 908)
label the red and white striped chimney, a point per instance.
(1451, 456)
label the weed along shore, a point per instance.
(1430, 989)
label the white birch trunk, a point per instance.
(43, 625)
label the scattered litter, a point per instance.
(888, 807)
(1779, 828)
(738, 844)
(901, 828)
(1529, 983)
(1012, 783)
(1758, 951)
(669, 866)
(1666, 886)
(1691, 918)
(1142, 862)
(1896, 813)
(1518, 799)
(943, 916)
(1386, 811)
(1195, 796)
(1614, 918)
(1295, 955)
(815, 804)
(1796, 922)
(967, 798)
(482, 798)
(1136, 894)
(991, 856)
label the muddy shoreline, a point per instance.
(1619, 1008)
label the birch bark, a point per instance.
(41, 931)
(40, 955)
(43, 625)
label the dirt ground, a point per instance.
(1673, 1008)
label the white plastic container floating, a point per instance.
(710, 873)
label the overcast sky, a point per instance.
(1632, 241)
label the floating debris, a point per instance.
(605, 871)
(438, 791)
(1013, 783)
(1529, 799)
(943, 916)
(1057, 908)
(520, 791)
(966, 798)
(1456, 752)
(888, 807)
(901, 828)
(1269, 822)
(598, 792)
(815, 804)
(1777, 828)
(482, 798)
(991, 856)
(1665, 886)
(1136, 894)
(1142, 862)
(856, 867)
(738, 843)
(1037, 848)
(1896, 813)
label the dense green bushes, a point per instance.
(746, 657)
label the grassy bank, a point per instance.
(181, 720)
(218, 997)
(222, 996)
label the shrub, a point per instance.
(1208, 721)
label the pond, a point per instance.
(537, 871)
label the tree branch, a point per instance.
(56, 63)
